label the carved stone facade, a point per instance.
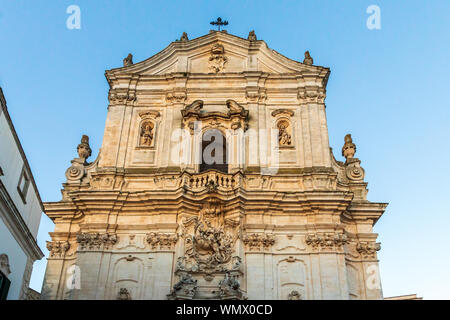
(150, 219)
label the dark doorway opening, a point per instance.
(214, 151)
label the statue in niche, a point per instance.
(146, 135)
(284, 138)
(294, 295)
(123, 294)
(128, 61)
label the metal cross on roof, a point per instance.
(219, 23)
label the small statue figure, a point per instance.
(294, 295)
(184, 37)
(128, 61)
(284, 137)
(146, 134)
(349, 148)
(83, 149)
(252, 36)
(123, 294)
(308, 60)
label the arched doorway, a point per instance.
(214, 151)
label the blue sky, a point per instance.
(388, 88)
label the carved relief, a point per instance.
(209, 239)
(97, 241)
(217, 59)
(58, 248)
(258, 241)
(162, 240)
(326, 240)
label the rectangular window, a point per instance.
(23, 185)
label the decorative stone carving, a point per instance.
(184, 289)
(209, 239)
(235, 118)
(294, 295)
(283, 112)
(311, 95)
(128, 61)
(353, 170)
(308, 60)
(123, 294)
(162, 240)
(229, 287)
(217, 59)
(349, 148)
(121, 96)
(4, 264)
(368, 249)
(176, 97)
(58, 248)
(258, 241)
(96, 241)
(326, 240)
(184, 37)
(252, 36)
(77, 171)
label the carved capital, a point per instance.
(326, 240)
(257, 241)
(311, 95)
(58, 249)
(368, 250)
(162, 240)
(96, 241)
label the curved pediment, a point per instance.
(214, 53)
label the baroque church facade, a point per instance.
(215, 180)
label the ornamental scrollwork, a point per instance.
(368, 249)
